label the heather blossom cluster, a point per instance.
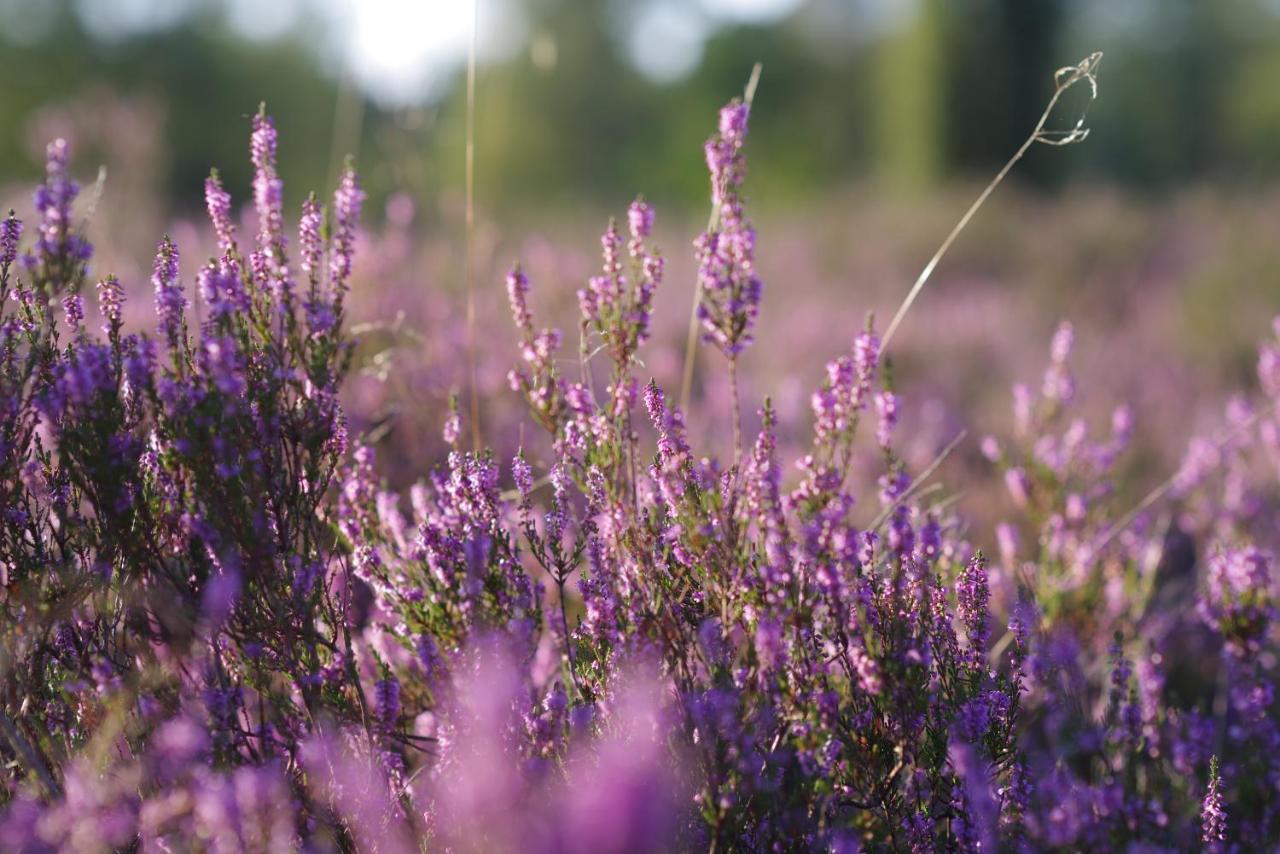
(730, 288)
(221, 631)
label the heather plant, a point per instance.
(222, 631)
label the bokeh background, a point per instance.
(875, 123)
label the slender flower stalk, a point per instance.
(1213, 814)
(171, 302)
(218, 203)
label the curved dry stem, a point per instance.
(1064, 78)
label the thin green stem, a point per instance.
(472, 372)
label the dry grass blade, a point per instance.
(1064, 79)
(471, 228)
(919, 480)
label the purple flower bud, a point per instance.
(267, 189)
(309, 225)
(1063, 340)
(1213, 814)
(1007, 538)
(973, 594)
(387, 701)
(523, 477)
(518, 297)
(730, 290)
(170, 300)
(110, 299)
(1022, 409)
(640, 219)
(733, 121)
(53, 200)
(218, 202)
(73, 309)
(887, 408)
(139, 364)
(347, 200)
(1019, 485)
(452, 426)
(10, 234)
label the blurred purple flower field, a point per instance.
(282, 568)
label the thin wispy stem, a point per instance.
(1064, 79)
(919, 480)
(471, 227)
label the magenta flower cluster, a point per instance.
(219, 631)
(729, 287)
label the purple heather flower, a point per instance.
(1019, 485)
(218, 202)
(73, 309)
(668, 422)
(518, 297)
(89, 375)
(53, 200)
(270, 268)
(347, 200)
(1015, 797)
(139, 364)
(973, 594)
(1238, 598)
(733, 122)
(110, 299)
(1022, 406)
(866, 355)
(267, 188)
(170, 300)
(975, 719)
(640, 220)
(1063, 341)
(977, 805)
(1058, 383)
(611, 249)
(887, 409)
(833, 404)
(387, 701)
(557, 519)
(1213, 813)
(10, 234)
(1121, 425)
(309, 241)
(598, 301)
(452, 425)
(1075, 507)
(729, 287)
(1007, 540)
(523, 477)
